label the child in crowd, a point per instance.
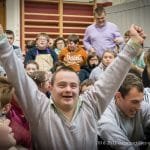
(42, 79)
(42, 54)
(59, 44)
(31, 66)
(107, 58)
(85, 85)
(30, 44)
(12, 111)
(73, 55)
(11, 37)
(92, 61)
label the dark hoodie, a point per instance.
(85, 71)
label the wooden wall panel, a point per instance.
(39, 16)
(55, 17)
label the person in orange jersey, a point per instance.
(73, 55)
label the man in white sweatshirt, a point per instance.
(67, 121)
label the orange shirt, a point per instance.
(73, 59)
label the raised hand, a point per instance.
(137, 34)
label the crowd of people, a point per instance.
(64, 96)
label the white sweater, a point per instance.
(50, 131)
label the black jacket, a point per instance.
(84, 72)
(146, 81)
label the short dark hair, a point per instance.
(73, 38)
(90, 56)
(58, 39)
(129, 82)
(135, 72)
(86, 82)
(63, 68)
(99, 10)
(10, 32)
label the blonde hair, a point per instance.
(109, 51)
(39, 77)
(42, 35)
(6, 91)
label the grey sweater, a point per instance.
(50, 130)
(124, 133)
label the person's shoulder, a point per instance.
(84, 67)
(15, 47)
(111, 24)
(110, 114)
(145, 108)
(82, 49)
(91, 26)
(112, 106)
(52, 50)
(64, 50)
(147, 95)
(98, 69)
(32, 50)
(95, 69)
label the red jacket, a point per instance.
(19, 125)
